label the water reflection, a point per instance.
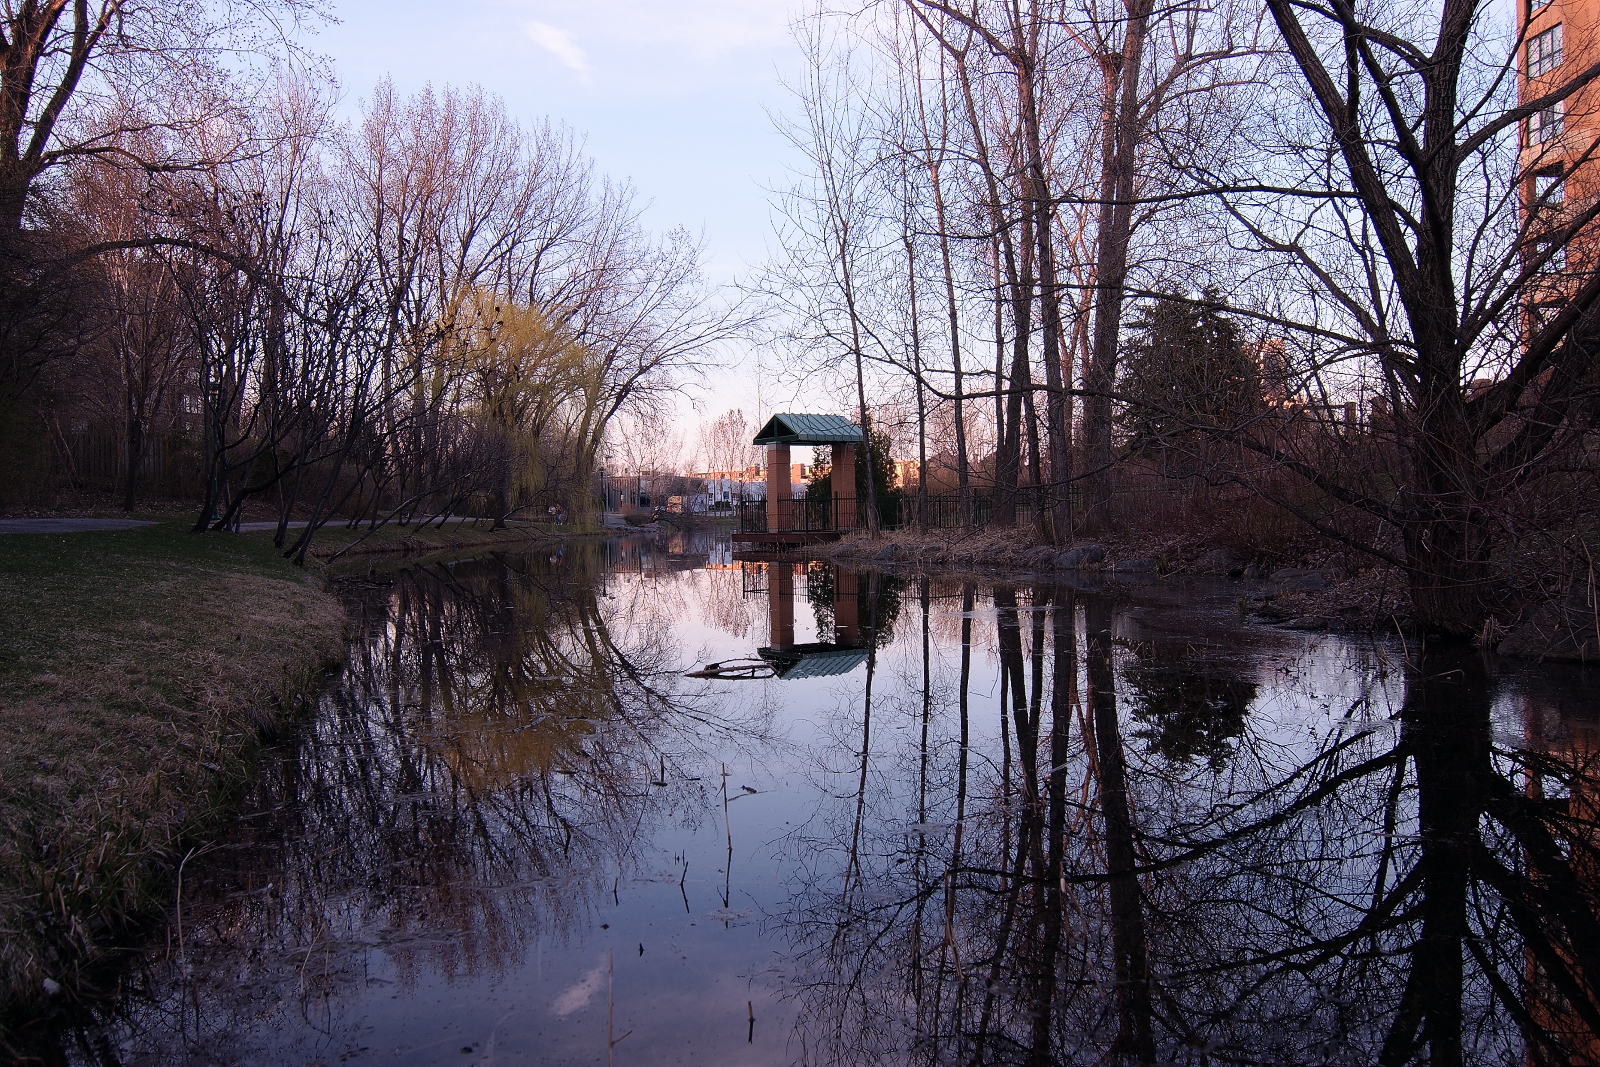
(1391, 885)
(1189, 707)
(933, 822)
(496, 753)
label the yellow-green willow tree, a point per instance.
(531, 390)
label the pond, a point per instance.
(645, 803)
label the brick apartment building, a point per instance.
(1560, 38)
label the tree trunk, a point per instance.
(1449, 573)
(1119, 139)
(999, 381)
(1008, 461)
(14, 184)
(916, 371)
(135, 457)
(963, 476)
(1445, 527)
(1056, 519)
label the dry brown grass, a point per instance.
(338, 540)
(1255, 531)
(137, 671)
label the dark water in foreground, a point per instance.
(946, 823)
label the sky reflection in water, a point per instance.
(1024, 825)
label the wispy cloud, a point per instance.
(577, 996)
(560, 44)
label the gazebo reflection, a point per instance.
(815, 659)
(785, 657)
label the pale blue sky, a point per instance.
(674, 96)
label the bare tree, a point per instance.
(725, 442)
(829, 235)
(76, 78)
(1399, 206)
(140, 333)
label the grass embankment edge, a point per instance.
(347, 543)
(1353, 596)
(140, 671)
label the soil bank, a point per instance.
(139, 669)
(1299, 586)
(337, 544)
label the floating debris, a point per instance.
(735, 670)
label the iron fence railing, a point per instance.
(1141, 501)
(802, 516)
(96, 457)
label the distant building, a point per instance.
(1560, 39)
(647, 489)
(747, 483)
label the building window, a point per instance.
(1548, 189)
(1544, 124)
(1557, 253)
(1544, 52)
(1540, 314)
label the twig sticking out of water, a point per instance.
(727, 867)
(611, 982)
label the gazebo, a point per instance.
(784, 514)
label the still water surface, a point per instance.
(643, 804)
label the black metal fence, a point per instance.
(1135, 501)
(894, 511)
(803, 516)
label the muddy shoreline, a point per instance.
(1314, 589)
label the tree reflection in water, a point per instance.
(488, 763)
(1043, 826)
(1189, 709)
(1397, 885)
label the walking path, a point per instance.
(257, 527)
(15, 526)
(22, 526)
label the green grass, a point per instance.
(138, 668)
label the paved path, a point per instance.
(86, 525)
(16, 526)
(257, 527)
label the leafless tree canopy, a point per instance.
(436, 308)
(998, 191)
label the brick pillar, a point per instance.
(778, 495)
(846, 609)
(780, 605)
(844, 484)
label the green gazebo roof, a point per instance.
(790, 429)
(813, 661)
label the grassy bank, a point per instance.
(429, 538)
(1320, 588)
(138, 668)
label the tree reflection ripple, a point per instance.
(1180, 854)
(947, 822)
